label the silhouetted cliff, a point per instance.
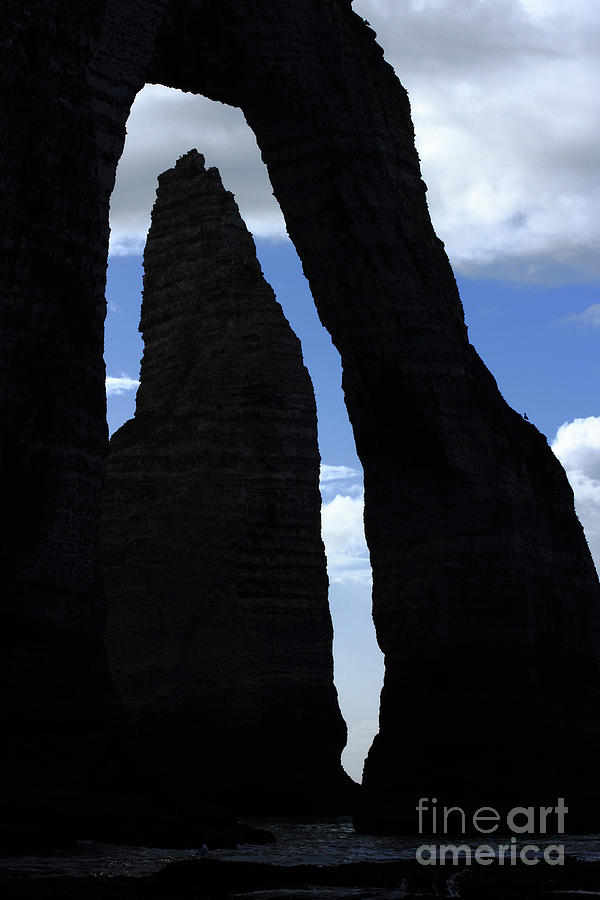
(485, 596)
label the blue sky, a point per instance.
(504, 99)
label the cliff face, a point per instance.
(219, 632)
(485, 596)
(59, 711)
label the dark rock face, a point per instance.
(58, 706)
(485, 596)
(219, 632)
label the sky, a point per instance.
(505, 102)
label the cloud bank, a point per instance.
(163, 125)
(342, 527)
(577, 446)
(506, 111)
(504, 99)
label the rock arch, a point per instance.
(483, 583)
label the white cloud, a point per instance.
(120, 384)
(340, 480)
(577, 446)
(163, 125)
(505, 105)
(344, 538)
(337, 473)
(506, 111)
(589, 316)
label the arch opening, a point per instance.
(163, 124)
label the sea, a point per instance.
(320, 842)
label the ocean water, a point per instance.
(298, 842)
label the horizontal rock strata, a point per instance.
(219, 630)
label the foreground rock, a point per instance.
(219, 630)
(383, 881)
